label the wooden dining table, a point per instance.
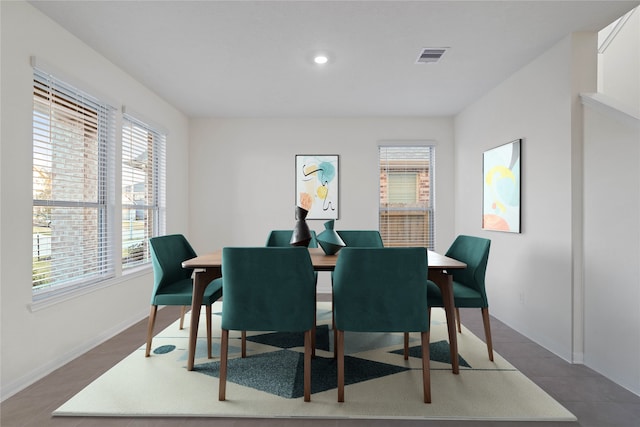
(208, 267)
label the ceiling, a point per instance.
(254, 58)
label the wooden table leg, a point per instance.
(445, 283)
(200, 281)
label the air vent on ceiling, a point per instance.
(431, 55)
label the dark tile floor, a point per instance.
(596, 401)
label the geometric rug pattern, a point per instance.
(379, 383)
(281, 372)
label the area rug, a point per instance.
(379, 383)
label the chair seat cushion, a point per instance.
(463, 296)
(179, 293)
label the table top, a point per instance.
(321, 261)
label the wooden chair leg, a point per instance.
(426, 373)
(406, 346)
(333, 327)
(224, 347)
(333, 317)
(209, 344)
(307, 364)
(340, 356)
(183, 311)
(315, 324)
(487, 331)
(313, 340)
(152, 321)
(243, 345)
(458, 320)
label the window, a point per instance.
(406, 201)
(143, 189)
(75, 199)
(73, 186)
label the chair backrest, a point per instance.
(361, 238)
(381, 290)
(473, 251)
(268, 289)
(281, 239)
(167, 254)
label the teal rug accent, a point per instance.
(438, 352)
(163, 349)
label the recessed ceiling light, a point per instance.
(321, 59)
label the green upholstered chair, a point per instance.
(281, 238)
(357, 239)
(382, 290)
(469, 283)
(361, 238)
(268, 289)
(172, 284)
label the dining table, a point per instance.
(208, 267)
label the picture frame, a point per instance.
(317, 184)
(501, 195)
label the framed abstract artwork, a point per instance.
(501, 187)
(317, 185)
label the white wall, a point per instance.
(612, 247)
(35, 343)
(530, 276)
(242, 174)
(612, 212)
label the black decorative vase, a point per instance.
(301, 234)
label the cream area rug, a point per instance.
(379, 383)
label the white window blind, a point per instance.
(406, 199)
(143, 189)
(73, 183)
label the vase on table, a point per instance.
(301, 235)
(329, 240)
